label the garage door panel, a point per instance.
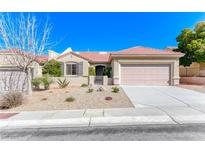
(135, 74)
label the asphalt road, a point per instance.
(117, 133)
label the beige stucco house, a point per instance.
(133, 66)
(11, 77)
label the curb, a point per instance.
(86, 122)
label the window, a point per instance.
(71, 69)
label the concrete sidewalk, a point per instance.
(95, 117)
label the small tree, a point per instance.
(52, 68)
(192, 43)
(107, 71)
(25, 38)
(92, 71)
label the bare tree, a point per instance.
(25, 38)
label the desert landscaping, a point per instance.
(55, 99)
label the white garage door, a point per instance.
(136, 74)
(13, 80)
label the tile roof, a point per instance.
(96, 56)
(138, 50)
(39, 59)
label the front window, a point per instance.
(71, 69)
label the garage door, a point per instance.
(12, 80)
(135, 74)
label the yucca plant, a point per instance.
(63, 83)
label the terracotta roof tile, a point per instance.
(105, 56)
(144, 51)
(39, 59)
(95, 56)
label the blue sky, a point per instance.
(115, 31)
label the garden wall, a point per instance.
(74, 80)
(192, 80)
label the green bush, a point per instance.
(107, 71)
(115, 89)
(46, 81)
(52, 68)
(90, 90)
(70, 99)
(36, 83)
(92, 71)
(64, 83)
(84, 85)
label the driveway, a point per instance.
(181, 105)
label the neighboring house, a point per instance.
(133, 66)
(11, 74)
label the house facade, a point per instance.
(133, 66)
(13, 78)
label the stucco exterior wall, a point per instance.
(73, 58)
(202, 69)
(5, 63)
(192, 70)
(74, 80)
(174, 64)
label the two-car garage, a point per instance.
(145, 74)
(145, 66)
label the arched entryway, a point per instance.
(99, 69)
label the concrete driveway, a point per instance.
(181, 105)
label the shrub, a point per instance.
(64, 83)
(115, 89)
(70, 99)
(107, 71)
(84, 85)
(44, 99)
(52, 68)
(100, 89)
(36, 83)
(90, 90)
(92, 71)
(11, 99)
(46, 80)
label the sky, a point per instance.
(116, 31)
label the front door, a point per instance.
(99, 70)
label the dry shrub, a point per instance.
(11, 99)
(44, 99)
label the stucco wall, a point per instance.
(174, 63)
(193, 80)
(5, 63)
(194, 70)
(77, 80)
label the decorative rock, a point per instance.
(108, 98)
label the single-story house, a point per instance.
(132, 66)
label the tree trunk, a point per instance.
(28, 74)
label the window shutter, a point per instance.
(80, 68)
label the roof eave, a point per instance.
(146, 55)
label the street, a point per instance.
(118, 133)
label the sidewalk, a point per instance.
(90, 117)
